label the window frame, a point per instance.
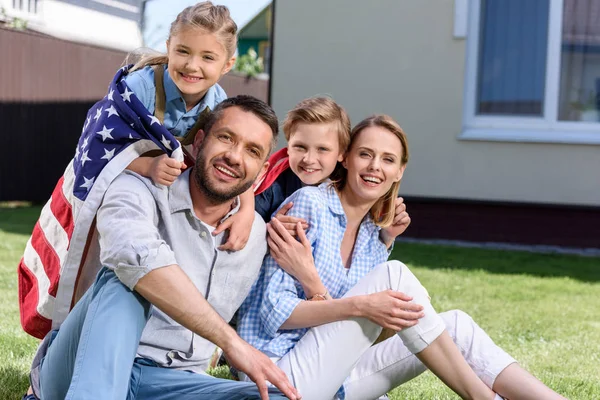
(506, 128)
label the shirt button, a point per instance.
(171, 354)
(203, 234)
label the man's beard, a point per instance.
(209, 190)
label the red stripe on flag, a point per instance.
(48, 257)
(31, 321)
(61, 208)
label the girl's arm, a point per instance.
(163, 170)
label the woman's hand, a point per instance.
(390, 309)
(289, 222)
(293, 256)
(401, 222)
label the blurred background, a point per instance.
(499, 98)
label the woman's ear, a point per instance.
(400, 173)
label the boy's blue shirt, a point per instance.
(177, 119)
(269, 201)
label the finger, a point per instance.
(280, 380)
(284, 229)
(273, 247)
(290, 219)
(302, 235)
(183, 166)
(275, 236)
(172, 163)
(174, 172)
(285, 208)
(399, 217)
(229, 245)
(399, 295)
(262, 389)
(223, 226)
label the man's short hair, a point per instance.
(249, 104)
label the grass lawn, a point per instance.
(543, 309)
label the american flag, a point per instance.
(117, 130)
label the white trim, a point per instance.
(542, 129)
(461, 18)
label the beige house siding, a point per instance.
(400, 57)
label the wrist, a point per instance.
(312, 285)
(229, 341)
(360, 306)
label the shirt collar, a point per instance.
(172, 93)
(180, 198)
(335, 206)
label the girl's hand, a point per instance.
(401, 222)
(293, 256)
(239, 225)
(164, 170)
(391, 309)
(288, 222)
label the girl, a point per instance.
(318, 320)
(181, 87)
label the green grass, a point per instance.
(543, 309)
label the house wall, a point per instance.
(399, 57)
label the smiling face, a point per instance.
(232, 154)
(373, 163)
(314, 151)
(197, 60)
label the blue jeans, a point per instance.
(93, 355)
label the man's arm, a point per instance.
(170, 289)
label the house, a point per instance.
(57, 60)
(256, 34)
(499, 99)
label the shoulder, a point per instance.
(220, 95)
(141, 82)
(308, 201)
(129, 184)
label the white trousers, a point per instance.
(342, 353)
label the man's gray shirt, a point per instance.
(143, 227)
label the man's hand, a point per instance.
(289, 222)
(164, 170)
(391, 309)
(400, 224)
(259, 368)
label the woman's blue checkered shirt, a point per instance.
(275, 294)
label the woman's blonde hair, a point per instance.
(383, 210)
(321, 110)
(206, 16)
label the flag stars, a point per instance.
(126, 95)
(108, 154)
(87, 123)
(85, 143)
(111, 111)
(84, 158)
(98, 113)
(110, 95)
(154, 120)
(87, 183)
(166, 142)
(105, 133)
(76, 152)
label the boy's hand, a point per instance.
(288, 222)
(239, 225)
(164, 170)
(293, 256)
(401, 222)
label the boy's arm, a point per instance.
(239, 224)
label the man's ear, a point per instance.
(200, 136)
(228, 65)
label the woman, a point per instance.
(318, 321)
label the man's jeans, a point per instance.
(93, 355)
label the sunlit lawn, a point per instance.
(543, 309)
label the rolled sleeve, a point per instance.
(130, 243)
(279, 301)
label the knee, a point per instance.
(458, 323)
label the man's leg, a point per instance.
(151, 382)
(92, 354)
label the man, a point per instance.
(150, 323)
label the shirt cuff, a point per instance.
(274, 318)
(149, 259)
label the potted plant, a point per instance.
(588, 107)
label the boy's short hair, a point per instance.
(319, 110)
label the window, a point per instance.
(26, 6)
(533, 71)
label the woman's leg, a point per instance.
(517, 384)
(326, 355)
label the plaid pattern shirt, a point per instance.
(276, 294)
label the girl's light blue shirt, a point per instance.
(177, 119)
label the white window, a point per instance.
(533, 71)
